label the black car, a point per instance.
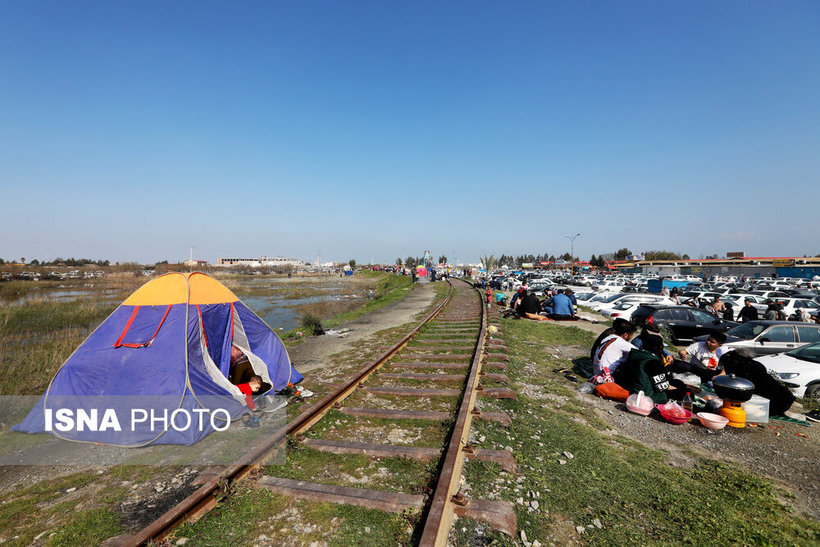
(683, 322)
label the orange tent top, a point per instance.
(174, 288)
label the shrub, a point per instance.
(312, 323)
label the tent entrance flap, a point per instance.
(144, 333)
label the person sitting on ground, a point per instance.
(741, 363)
(572, 298)
(651, 331)
(617, 323)
(747, 312)
(529, 306)
(644, 370)
(250, 388)
(516, 296)
(612, 352)
(705, 355)
(559, 307)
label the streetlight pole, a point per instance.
(572, 251)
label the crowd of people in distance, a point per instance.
(725, 310)
(624, 364)
(557, 306)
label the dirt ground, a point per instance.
(775, 450)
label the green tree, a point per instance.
(442, 259)
(661, 255)
(352, 264)
(489, 262)
(398, 262)
(410, 262)
(623, 254)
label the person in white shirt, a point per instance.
(706, 354)
(613, 351)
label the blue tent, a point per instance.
(156, 370)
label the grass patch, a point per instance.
(239, 519)
(249, 513)
(24, 511)
(357, 471)
(388, 288)
(87, 528)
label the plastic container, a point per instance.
(712, 421)
(639, 404)
(757, 409)
(674, 413)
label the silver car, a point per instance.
(767, 337)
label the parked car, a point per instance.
(792, 305)
(767, 337)
(606, 308)
(685, 323)
(799, 369)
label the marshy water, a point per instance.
(280, 302)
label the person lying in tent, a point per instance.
(251, 388)
(241, 371)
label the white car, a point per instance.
(791, 305)
(605, 308)
(597, 299)
(799, 369)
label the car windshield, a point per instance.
(746, 331)
(810, 353)
(612, 298)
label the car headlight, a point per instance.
(788, 375)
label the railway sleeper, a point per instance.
(394, 502)
(498, 514)
(422, 364)
(417, 376)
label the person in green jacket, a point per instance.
(644, 370)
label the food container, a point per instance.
(712, 421)
(757, 409)
(674, 413)
(639, 404)
(733, 388)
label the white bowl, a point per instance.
(712, 421)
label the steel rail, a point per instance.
(201, 501)
(440, 510)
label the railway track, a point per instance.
(432, 376)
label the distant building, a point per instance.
(263, 261)
(195, 263)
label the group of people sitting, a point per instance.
(624, 363)
(559, 305)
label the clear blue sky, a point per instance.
(131, 130)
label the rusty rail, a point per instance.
(440, 511)
(204, 499)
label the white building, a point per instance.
(271, 262)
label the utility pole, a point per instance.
(572, 251)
